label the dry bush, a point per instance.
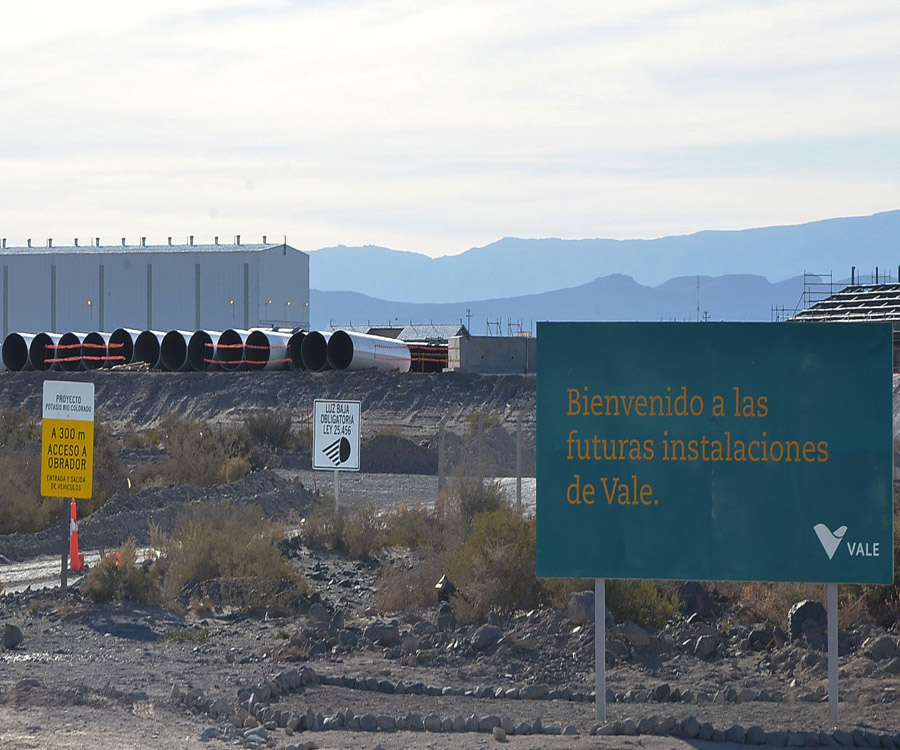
(109, 471)
(358, 532)
(469, 495)
(323, 528)
(558, 590)
(18, 429)
(22, 509)
(502, 579)
(411, 591)
(758, 602)
(235, 468)
(495, 567)
(413, 527)
(235, 546)
(303, 438)
(364, 532)
(196, 453)
(487, 419)
(880, 604)
(642, 602)
(140, 439)
(119, 578)
(269, 429)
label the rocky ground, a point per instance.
(342, 674)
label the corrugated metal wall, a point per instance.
(181, 287)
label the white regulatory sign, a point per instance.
(335, 435)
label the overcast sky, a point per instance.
(439, 126)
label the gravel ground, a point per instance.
(390, 490)
(109, 677)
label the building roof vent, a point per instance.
(49, 242)
(143, 242)
(123, 242)
(76, 242)
(3, 242)
(97, 239)
(237, 239)
(170, 240)
(264, 240)
(191, 240)
(216, 239)
(29, 242)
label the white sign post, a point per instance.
(336, 426)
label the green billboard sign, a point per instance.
(715, 451)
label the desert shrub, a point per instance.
(303, 438)
(359, 532)
(119, 578)
(140, 439)
(109, 471)
(235, 545)
(22, 509)
(235, 468)
(412, 528)
(186, 635)
(488, 419)
(270, 429)
(762, 601)
(642, 602)
(468, 496)
(881, 604)
(556, 591)
(495, 567)
(364, 532)
(492, 564)
(410, 590)
(196, 453)
(18, 429)
(324, 527)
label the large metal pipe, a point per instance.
(147, 347)
(295, 344)
(15, 351)
(314, 350)
(95, 350)
(230, 349)
(202, 350)
(121, 346)
(43, 351)
(174, 351)
(361, 351)
(267, 350)
(68, 351)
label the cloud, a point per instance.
(438, 126)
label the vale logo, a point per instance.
(831, 542)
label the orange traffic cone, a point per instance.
(76, 559)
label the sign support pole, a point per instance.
(833, 653)
(64, 568)
(600, 646)
(519, 461)
(337, 488)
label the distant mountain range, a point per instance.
(715, 275)
(616, 297)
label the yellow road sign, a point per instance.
(67, 439)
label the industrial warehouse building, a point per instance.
(158, 287)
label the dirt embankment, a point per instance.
(409, 405)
